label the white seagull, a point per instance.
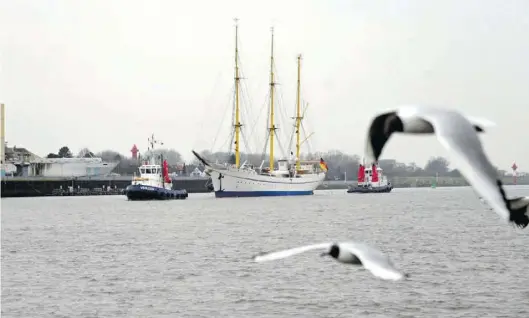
(457, 134)
(348, 253)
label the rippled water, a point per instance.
(107, 257)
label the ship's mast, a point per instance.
(272, 127)
(237, 111)
(298, 115)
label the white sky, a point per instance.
(105, 74)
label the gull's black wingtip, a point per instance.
(381, 128)
(521, 223)
(254, 258)
(518, 209)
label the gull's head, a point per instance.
(333, 251)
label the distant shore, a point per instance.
(40, 186)
(419, 182)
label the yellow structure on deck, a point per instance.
(272, 128)
(298, 115)
(237, 111)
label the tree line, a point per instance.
(341, 165)
(126, 165)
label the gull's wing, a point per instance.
(378, 135)
(458, 135)
(480, 123)
(374, 261)
(379, 132)
(293, 251)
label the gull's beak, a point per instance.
(324, 254)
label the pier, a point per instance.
(40, 186)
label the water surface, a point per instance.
(108, 257)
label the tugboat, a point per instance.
(371, 180)
(154, 182)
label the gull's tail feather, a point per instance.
(519, 209)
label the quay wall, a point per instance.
(419, 182)
(39, 186)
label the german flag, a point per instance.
(323, 165)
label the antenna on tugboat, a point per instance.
(151, 141)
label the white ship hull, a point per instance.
(78, 169)
(232, 182)
(67, 167)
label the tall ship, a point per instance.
(290, 177)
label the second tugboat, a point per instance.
(154, 182)
(371, 180)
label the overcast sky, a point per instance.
(105, 74)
